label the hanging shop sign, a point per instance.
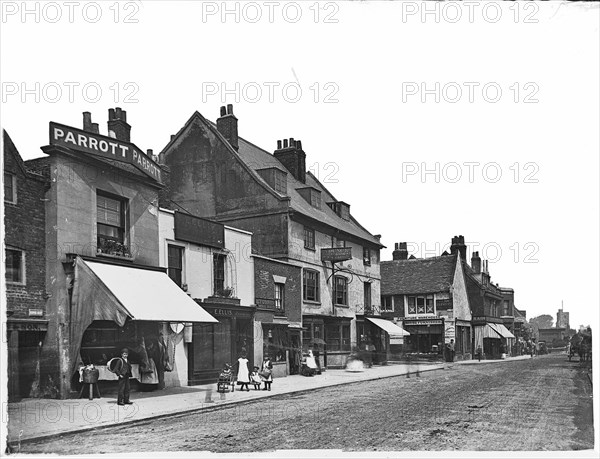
(103, 146)
(336, 254)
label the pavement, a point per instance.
(36, 419)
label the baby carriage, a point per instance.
(226, 379)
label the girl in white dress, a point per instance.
(243, 374)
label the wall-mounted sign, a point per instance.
(103, 146)
(36, 313)
(422, 322)
(27, 326)
(265, 303)
(336, 254)
(444, 304)
(199, 230)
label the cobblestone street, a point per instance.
(540, 404)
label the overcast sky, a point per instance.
(499, 103)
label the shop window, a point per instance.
(387, 303)
(337, 337)
(10, 188)
(341, 291)
(279, 296)
(14, 264)
(175, 264)
(311, 285)
(366, 256)
(309, 238)
(110, 215)
(219, 274)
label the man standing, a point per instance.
(124, 373)
(451, 349)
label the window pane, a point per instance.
(109, 211)
(367, 287)
(13, 266)
(219, 273)
(309, 238)
(333, 338)
(429, 304)
(420, 305)
(279, 296)
(8, 188)
(341, 294)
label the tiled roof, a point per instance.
(420, 275)
(257, 158)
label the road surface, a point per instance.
(544, 403)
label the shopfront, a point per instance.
(426, 335)
(214, 345)
(116, 306)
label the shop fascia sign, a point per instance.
(103, 146)
(336, 254)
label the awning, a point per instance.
(491, 332)
(112, 292)
(390, 327)
(149, 295)
(502, 331)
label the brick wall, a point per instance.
(25, 230)
(264, 285)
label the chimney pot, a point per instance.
(87, 121)
(285, 143)
(401, 252)
(172, 136)
(111, 114)
(150, 153)
(227, 125)
(279, 144)
(299, 144)
(95, 128)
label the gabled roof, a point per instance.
(10, 147)
(255, 158)
(417, 276)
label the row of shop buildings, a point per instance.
(211, 248)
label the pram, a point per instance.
(226, 379)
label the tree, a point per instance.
(543, 321)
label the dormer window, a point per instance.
(276, 178)
(341, 209)
(311, 195)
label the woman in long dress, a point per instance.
(243, 374)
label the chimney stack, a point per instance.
(291, 155)
(400, 252)
(227, 125)
(458, 245)
(117, 123)
(87, 121)
(476, 262)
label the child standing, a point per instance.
(243, 375)
(266, 372)
(255, 378)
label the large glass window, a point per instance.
(311, 285)
(111, 223)
(337, 336)
(175, 263)
(421, 304)
(341, 290)
(14, 266)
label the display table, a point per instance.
(107, 375)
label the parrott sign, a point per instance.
(106, 147)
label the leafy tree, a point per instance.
(543, 321)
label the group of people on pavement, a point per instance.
(257, 376)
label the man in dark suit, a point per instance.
(124, 373)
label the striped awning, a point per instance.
(502, 331)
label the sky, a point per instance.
(431, 121)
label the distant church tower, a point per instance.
(562, 319)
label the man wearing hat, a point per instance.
(124, 373)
